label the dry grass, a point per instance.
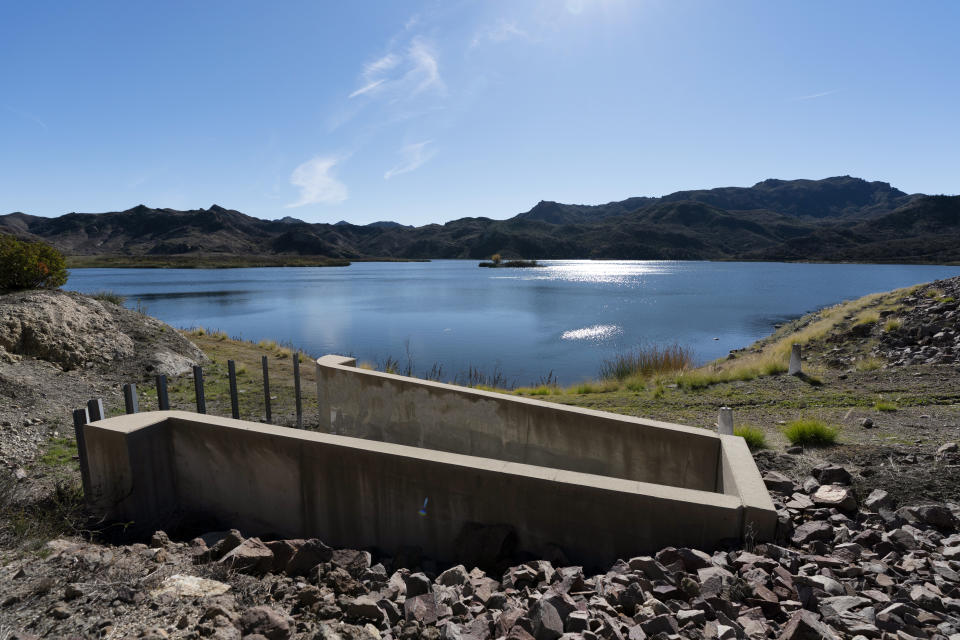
(646, 361)
(871, 363)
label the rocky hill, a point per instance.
(58, 349)
(835, 219)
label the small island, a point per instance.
(496, 261)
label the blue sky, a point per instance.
(429, 111)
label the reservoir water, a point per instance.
(564, 318)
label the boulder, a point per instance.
(546, 621)
(831, 474)
(836, 496)
(877, 499)
(250, 556)
(811, 531)
(804, 625)
(778, 482)
(422, 608)
(266, 622)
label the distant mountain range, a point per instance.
(835, 219)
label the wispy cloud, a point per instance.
(500, 32)
(316, 184)
(400, 75)
(413, 157)
(27, 116)
(813, 96)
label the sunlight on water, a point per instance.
(605, 271)
(596, 332)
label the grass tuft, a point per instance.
(646, 361)
(866, 318)
(892, 324)
(811, 432)
(109, 296)
(883, 405)
(754, 436)
(871, 363)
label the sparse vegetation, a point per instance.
(870, 363)
(754, 436)
(810, 431)
(109, 296)
(868, 317)
(884, 405)
(648, 360)
(892, 324)
(59, 452)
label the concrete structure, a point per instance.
(795, 367)
(598, 485)
(725, 421)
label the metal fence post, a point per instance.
(234, 400)
(198, 389)
(163, 400)
(95, 410)
(80, 418)
(130, 400)
(266, 386)
(296, 388)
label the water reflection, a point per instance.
(566, 316)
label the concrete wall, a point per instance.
(354, 492)
(390, 408)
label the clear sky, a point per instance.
(429, 111)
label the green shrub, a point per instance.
(753, 435)
(810, 431)
(883, 405)
(30, 265)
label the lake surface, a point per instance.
(563, 318)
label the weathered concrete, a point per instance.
(390, 408)
(601, 486)
(363, 493)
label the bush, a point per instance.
(30, 265)
(753, 435)
(815, 432)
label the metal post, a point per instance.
(725, 421)
(130, 400)
(266, 386)
(198, 389)
(95, 410)
(296, 388)
(163, 400)
(80, 418)
(794, 368)
(234, 400)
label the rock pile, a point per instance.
(838, 569)
(928, 331)
(73, 331)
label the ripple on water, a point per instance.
(596, 332)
